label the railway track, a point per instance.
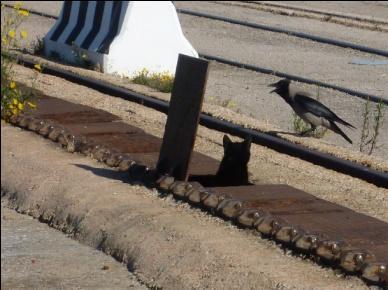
(270, 71)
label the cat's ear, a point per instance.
(226, 141)
(248, 141)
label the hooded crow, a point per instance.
(310, 110)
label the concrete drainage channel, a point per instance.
(339, 236)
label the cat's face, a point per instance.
(236, 152)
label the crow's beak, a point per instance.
(273, 85)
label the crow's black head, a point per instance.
(281, 87)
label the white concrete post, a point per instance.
(122, 37)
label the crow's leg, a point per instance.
(308, 131)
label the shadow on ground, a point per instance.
(107, 173)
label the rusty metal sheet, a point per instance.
(88, 116)
(129, 142)
(50, 105)
(314, 215)
(102, 128)
(67, 112)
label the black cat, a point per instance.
(233, 169)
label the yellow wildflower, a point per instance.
(12, 85)
(11, 33)
(20, 106)
(32, 105)
(38, 67)
(15, 101)
(24, 12)
(23, 34)
(15, 111)
(18, 5)
(4, 40)
(11, 106)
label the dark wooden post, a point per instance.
(183, 116)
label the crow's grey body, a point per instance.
(310, 110)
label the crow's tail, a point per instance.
(339, 120)
(336, 129)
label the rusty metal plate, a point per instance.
(66, 112)
(314, 215)
(89, 116)
(128, 143)
(102, 128)
(50, 105)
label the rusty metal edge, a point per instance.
(280, 145)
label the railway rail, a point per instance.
(259, 69)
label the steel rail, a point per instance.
(280, 145)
